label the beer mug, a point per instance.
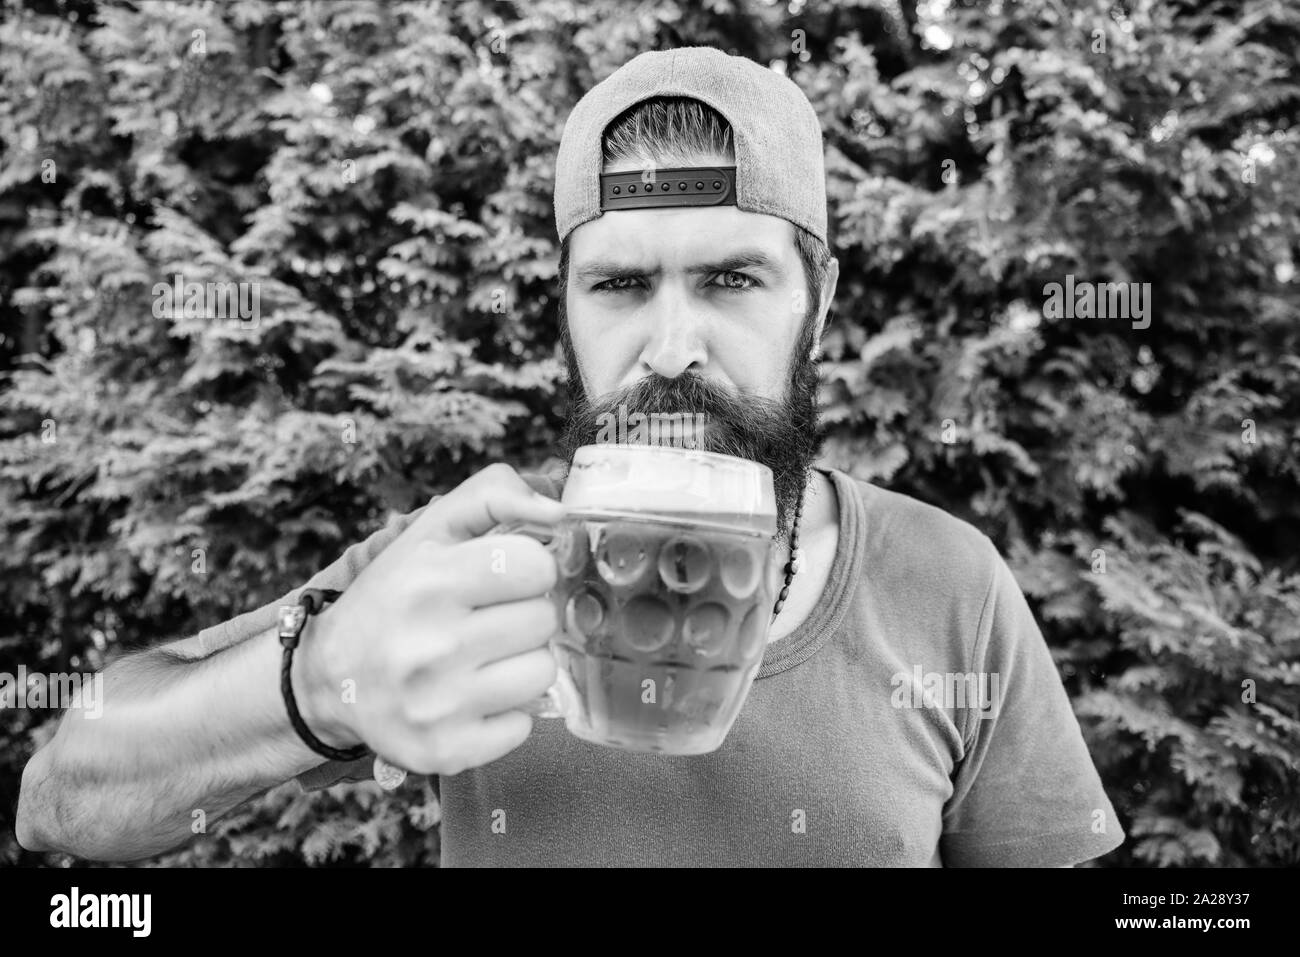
(664, 595)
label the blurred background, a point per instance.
(382, 172)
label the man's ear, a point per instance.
(824, 303)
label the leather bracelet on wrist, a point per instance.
(293, 619)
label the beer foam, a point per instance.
(642, 478)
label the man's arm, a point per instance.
(440, 651)
(177, 735)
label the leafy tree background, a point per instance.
(384, 170)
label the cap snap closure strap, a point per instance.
(650, 187)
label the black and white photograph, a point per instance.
(727, 434)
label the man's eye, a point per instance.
(736, 280)
(617, 284)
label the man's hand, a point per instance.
(442, 635)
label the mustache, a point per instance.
(779, 433)
(691, 394)
(731, 420)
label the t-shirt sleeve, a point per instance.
(1026, 792)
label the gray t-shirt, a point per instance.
(853, 748)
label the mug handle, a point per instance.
(554, 703)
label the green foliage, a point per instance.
(383, 172)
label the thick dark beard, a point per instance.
(781, 434)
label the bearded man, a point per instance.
(696, 279)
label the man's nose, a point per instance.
(676, 336)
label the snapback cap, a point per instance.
(779, 168)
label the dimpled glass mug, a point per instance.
(664, 595)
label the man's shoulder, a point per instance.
(926, 581)
(925, 570)
(917, 535)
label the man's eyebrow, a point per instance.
(609, 269)
(741, 259)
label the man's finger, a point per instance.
(510, 628)
(512, 682)
(496, 568)
(490, 498)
